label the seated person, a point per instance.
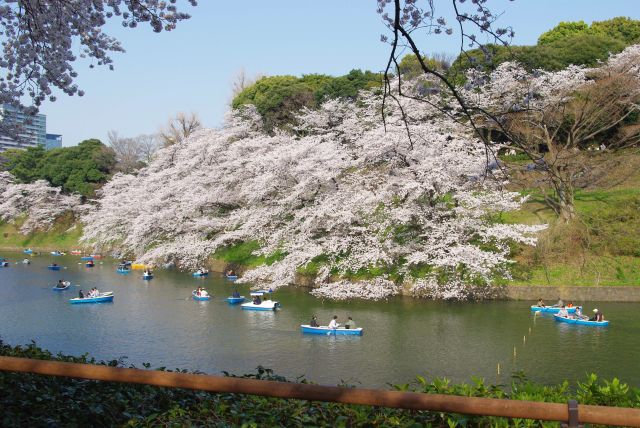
(350, 323)
(597, 316)
(314, 322)
(257, 300)
(540, 303)
(334, 322)
(80, 294)
(563, 312)
(235, 293)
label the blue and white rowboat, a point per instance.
(266, 305)
(199, 298)
(54, 267)
(65, 286)
(581, 321)
(57, 253)
(123, 270)
(107, 296)
(232, 277)
(235, 300)
(28, 251)
(86, 258)
(200, 274)
(553, 309)
(325, 330)
(147, 277)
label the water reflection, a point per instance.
(158, 322)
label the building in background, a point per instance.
(33, 133)
(54, 141)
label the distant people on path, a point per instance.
(334, 322)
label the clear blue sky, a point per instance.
(191, 68)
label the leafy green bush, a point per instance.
(39, 401)
(278, 98)
(80, 168)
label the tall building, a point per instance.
(34, 129)
(54, 141)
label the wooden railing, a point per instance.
(571, 413)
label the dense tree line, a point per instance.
(279, 98)
(79, 169)
(568, 43)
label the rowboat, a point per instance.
(323, 329)
(28, 251)
(107, 296)
(75, 252)
(66, 285)
(26, 262)
(4, 264)
(57, 253)
(86, 258)
(89, 263)
(196, 297)
(265, 305)
(200, 274)
(553, 309)
(235, 300)
(581, 321)
(54, 267)
(147, 277)
(123, 270)
(232, 277)
(96, 256)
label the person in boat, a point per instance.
(147, 272)
(235, 293)
(81, 294)
(203, 293)
(563, 312)
(198, 291)
(559, 304)
(257, 300)
(541, 303)
(60, 283)
(26, 261)
(579, 315)
(570, 305)
(54, 264)
(350, 323)
(334, 322)
(597, 316)
(314, 322)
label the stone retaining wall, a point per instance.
(575, 294)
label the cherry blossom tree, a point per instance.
(38, 204)
(344, 188)
(554, 117)
(42, 39)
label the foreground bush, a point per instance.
(36, 400)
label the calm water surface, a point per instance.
(157, 322)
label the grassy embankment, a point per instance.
(602, 245)
(65, 235)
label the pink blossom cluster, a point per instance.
(38, 204)
(344, 186)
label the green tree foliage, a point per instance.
(76, 169)
(568, 43)
(409, 66)
(277, 98)
(562, 30)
